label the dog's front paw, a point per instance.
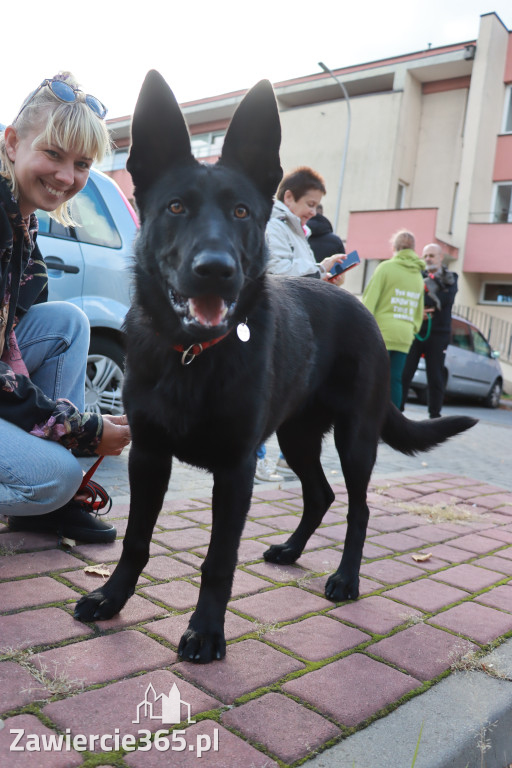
(202, 647)
(100, 605)
(281, 554)
(339, 588)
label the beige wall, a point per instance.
(315, 135)
(406, 139)
(438, 157)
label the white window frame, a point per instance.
(212, 146)
(494, 303)
(114, 161)
(507, 112)
(401, 192)
(455, 200)
(494, 200)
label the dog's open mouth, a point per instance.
(205, 311)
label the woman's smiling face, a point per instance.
(47, 175)
(305, 206)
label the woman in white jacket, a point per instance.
(298, 196)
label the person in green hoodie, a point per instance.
(394, 296)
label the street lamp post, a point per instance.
(345, 147)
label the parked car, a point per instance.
(471, 367)
(89, 266)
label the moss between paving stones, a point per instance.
(28, 709)
(54, 604)
(105, 758)
(312, 666)
(159, 639)
(256, 744)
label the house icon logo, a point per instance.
(166, 708)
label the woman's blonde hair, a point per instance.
(71, 125)
(403, 239)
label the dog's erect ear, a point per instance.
(160, 137)
(253, 138)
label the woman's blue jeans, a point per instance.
(39, 476)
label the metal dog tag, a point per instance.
(243, 332)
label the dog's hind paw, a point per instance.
(281, 554)
(201, 647)
(98, 606)
(339, 588)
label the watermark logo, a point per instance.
(162, 707)
(169, 708)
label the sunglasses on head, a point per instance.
(67, 94)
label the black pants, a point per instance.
(434, 349)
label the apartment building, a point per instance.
(428, 148)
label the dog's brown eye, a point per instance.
(241, 212)
(176, 207)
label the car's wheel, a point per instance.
(492, 400)
(104, 379)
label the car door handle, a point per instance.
(54, 263)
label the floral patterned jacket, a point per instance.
(24, 282)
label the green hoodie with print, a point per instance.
(394, 296)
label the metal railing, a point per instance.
(498, 332)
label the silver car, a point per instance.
(471, 367)
(89, 266)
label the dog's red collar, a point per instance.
(190, 353)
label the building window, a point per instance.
(507, 117)
(502, 208)
(115, 161)
(496, 293)
(400, 195)
(207, 144)
(454, 206)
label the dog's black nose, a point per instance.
(216, 265)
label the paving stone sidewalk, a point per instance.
(301, 673)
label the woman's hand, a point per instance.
(116, 435)
(328, 264)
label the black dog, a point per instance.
(197, 388)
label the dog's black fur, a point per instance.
(315, 360)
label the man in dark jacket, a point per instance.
(323, 241)
(435, 333)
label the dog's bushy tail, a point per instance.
(411, 437)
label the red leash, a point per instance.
(90, 473)
(98, 496)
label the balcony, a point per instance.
(489, 248)
(370, 232)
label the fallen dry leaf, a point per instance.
(421, 558)
(98, 570)
(67, 542)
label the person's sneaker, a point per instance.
(265, 473)
(283, 466)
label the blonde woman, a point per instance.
(45, 158)
(394, 296)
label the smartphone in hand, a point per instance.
(352, 260)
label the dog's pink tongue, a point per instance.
(208, 310)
